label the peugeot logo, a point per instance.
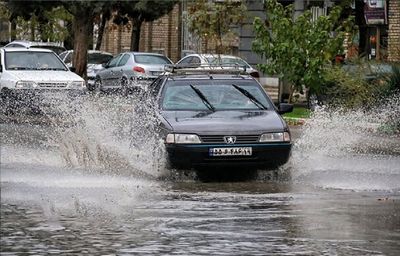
(230, 139)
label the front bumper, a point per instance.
(264, 155)
(40, 97)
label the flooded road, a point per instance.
(79, 184)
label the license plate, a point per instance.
(237, 151)
(156, 73)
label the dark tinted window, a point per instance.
(124, 60)
(185, 60)
(113, 62)
(151, 59)
(99, 58)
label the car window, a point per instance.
(185, 60)
(156, 86)
(113, 62)
(179, 95)
(195, 60)
(227, 61)
(68, 58)
(26, 60)
(63, 54)
(99, 58)
(56, 49)
(15, 45)
(124, 60)
(151, 59)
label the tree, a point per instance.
(299, 49)
(139, 11)
(213, 20)
(83, 13)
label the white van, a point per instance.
(27, 74)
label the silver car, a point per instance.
(126, 71)
(208, 60)
(95, 62)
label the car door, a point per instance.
(123, 70)
(107, 75)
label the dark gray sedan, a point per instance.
(126, 71)
(220, 120)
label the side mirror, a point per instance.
(72, 69)
(285, 108)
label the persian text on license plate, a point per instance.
(237, 151)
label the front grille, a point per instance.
(240, 139)
(53, 84)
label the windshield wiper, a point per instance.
(203, 98)
(250, 96)
(18, 68)
(51, 68)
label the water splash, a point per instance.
(114, 134)
(348, 149)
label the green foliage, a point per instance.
(212, 20)
(298, 112)
(392, 81)
(39, 20)
(348, 89)
(299, 49)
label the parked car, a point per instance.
(124, 70)
(217, 60)
(55, 47)
(219, 118)
(95, 62)
(28, 75)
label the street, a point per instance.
(83, 178)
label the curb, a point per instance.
(293, 121)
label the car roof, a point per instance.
(214, 77)
(27, 43)
(22, 49)
(146, 53)
(210, 55)
(91, 52)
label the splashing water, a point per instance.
(347, 149)
(115, 134)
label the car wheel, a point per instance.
(7, 102)
(124, 86)
(97, 86)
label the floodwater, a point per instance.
(89, 179)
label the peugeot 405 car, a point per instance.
(219, 118)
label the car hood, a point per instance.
(227, 122)
(45, 75)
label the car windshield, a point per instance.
(151, 59)
(32, 60)
(222, 95)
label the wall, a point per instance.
(394, 31)
(162, 35)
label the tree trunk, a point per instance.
(103, 22)
(135, 33)
(13, 34)
(82, 24)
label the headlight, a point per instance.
(25, 84)
(182, 138)
(275, 137)
(77, 84)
